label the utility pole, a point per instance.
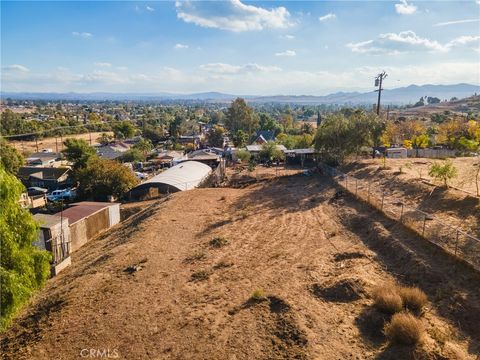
(378, 82)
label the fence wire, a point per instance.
(452, 239)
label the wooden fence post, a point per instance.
(456, 243)
(424, 221)
(401, 214)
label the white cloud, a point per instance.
(405, 8)
(222, 68)
(102, 64)
(329, 16)
(392, 43)
(15, 67)
(288, 37)
(84, 35)
(149, 8)
(232, 15)
(181, 46)
(287, 53)
(454, 22)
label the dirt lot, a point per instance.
(156, 288)
(28, 147)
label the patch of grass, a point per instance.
(405, 329)
(200, 275)
(413, 298)
(387, 300)
(198, 256)
(221, 265)
(258, 295)
(218, 242)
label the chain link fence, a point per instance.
(452, 239)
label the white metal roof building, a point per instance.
(185, 176)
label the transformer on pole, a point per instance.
(378, 83)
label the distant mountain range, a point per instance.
(403, 95)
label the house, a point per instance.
(43, 159)
(51, 178)
(263, 136)
(205, 156)
(112, 151)
(54, 236)
(255, 149)
(87, 219)
(171, 157)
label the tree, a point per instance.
(105, 139)
(215, 136)
(443, 172)
(243, 155)
(240, 138)
(101, 178)
(78, 151)
(340, 136)
(240, 116)
(144, 145)
(23, 267)
(270, 152)
(266, 122)
(433, 100)
(154, 134)
(10, 158)
(133, 155)
(123, 130)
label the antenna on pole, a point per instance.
(378, 82)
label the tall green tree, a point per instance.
(11, 159)
(78, 151)
(23, 267)
(144, 145)
(240, 116)
(124, 130)
(215, 136)
(100, 178)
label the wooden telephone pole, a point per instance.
(378, 82)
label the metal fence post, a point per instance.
(456, 243)
(424, 221)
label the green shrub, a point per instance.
(23, 267)
(258, 295)
(444, 172)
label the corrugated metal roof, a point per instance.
(184, 176)
(82, 210)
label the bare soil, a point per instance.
(28, 147)
(154, 288)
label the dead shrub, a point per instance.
(200, 275)
(387, 299)
(404, 328)
(413, 298)
(218, 242)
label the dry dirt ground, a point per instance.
(28, 147)
(154, 287)
(457, 208)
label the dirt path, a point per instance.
(155, 288)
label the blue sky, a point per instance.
(292, 47)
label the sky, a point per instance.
(236, 47)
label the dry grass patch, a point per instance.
(413, 298)
(200, 275)
(218, 242)
(405, 329)
(258, 295)
(387, 300)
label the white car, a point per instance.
(140, 175)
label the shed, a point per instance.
(87, 219)
(54, 236)
(396, 153)
(184, 176)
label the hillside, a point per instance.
(155, 288)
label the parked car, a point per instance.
(59, 195)
(140, 175)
